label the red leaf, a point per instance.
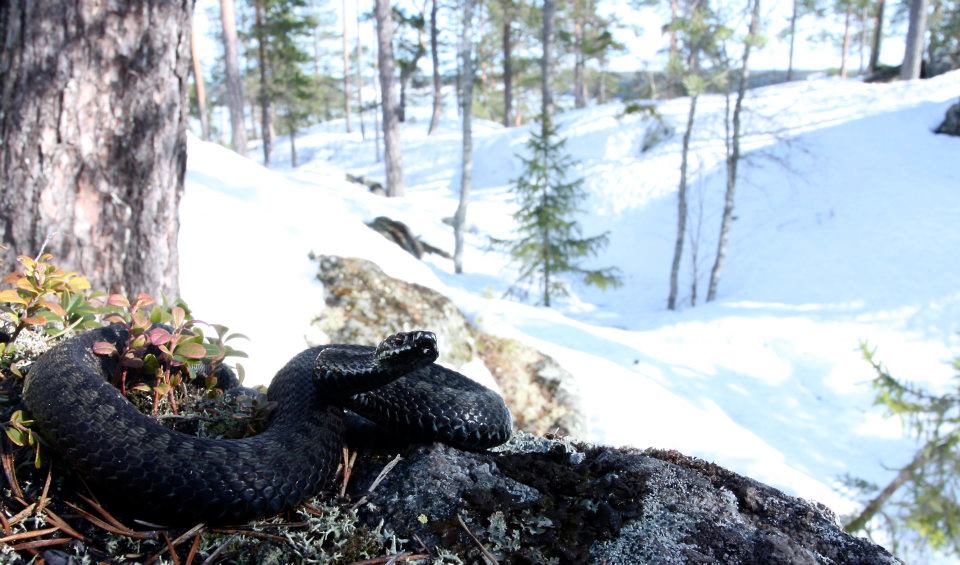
(104, 348)
(34, 320)
(158, 336)
(118, 300)
(114, 319)
(55, 308)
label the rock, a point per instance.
(544, 397)
(363, 305)
(951, 121)
(538, 500)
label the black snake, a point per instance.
(168, 477)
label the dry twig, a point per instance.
(392, 558)
(486, 554)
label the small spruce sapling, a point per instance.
(549, 241)
(927, 488)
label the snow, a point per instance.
(846, 232)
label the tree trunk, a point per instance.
(674, 15)
(933, 22)
(466, 169)
(681, 207)
(507, 63)
(579, 84)
(363, 128)
(93, 122)
(293, 148)
(402, 109)
(913, 53)
(845, 50)
(877, 37)
(733, 159)
(793, 39)
(546, 62)
(234, 86)
(391, 123)
(201, 91)
(435, 57)
(266, 127)
(346, 68)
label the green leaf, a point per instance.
(142, 387)
(18, 437)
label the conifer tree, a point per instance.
(550, 242)
(924, 495)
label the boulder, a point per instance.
(363, 305)
(951, 121)
(540, 500)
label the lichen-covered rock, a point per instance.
(543, 396)
(363, 305)
(951, 121)
(540, 500)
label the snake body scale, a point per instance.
(167, 477)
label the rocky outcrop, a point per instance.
(363, 305)
(544, 398)
(951, 121)
(542, 500)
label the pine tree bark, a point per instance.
(391, 122)
(93, 129)
(507, 63)
(234, 86)
(435, 57)
(346, 68)
(266, 126)
(466, 169)
(733, 159)
(913, 53)
(877, 37)
(201, 90)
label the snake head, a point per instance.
(408, 350)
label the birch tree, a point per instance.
(466, 168)
(435, 58)
(733, 153)
(234, 85)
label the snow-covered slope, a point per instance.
(846, 231)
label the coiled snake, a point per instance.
(168, 477)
